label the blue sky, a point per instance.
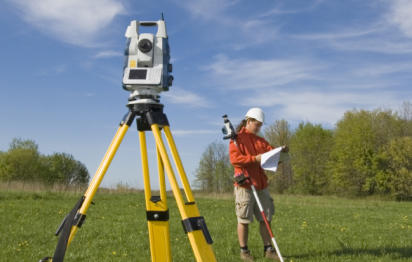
(61, 69)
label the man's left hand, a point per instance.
(285, 149)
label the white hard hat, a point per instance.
(256, 113)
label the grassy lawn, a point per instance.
(306, 228)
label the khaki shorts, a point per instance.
(246, 205)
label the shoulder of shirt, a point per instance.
(243, 132)
(261, 139)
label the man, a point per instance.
(245, 156)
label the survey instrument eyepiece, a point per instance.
(147, 65)
(228, 131)
(145, 45)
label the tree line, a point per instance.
(23, 162)
(367, 152)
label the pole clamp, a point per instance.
(79, 219)
(157, 215)
(197, 223)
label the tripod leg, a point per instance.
(162, 182)
(156, 210)
(179, 165)
(193, 224)
(75, 218)
(98, 177)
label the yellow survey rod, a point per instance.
(98, 177)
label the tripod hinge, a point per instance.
(146, 120)
(79, 219)
(157, 215)
(197, 223)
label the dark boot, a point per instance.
(246, 256)
(271, 254)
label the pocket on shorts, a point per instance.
(243, 203)
(242, 209)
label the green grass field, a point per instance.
(306, 228)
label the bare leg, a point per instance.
(242, 233)
(264, 233)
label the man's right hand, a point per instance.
(258, 158)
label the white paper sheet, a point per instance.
(270, 160)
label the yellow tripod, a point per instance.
(151, 118)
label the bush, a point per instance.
(359, 137)
(395, 169)
(215, 173)
(279, 134)
(23, 162)
(309, 150)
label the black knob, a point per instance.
(170, 80)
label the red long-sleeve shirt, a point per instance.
(243, 157)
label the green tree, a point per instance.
(279, 134)
(21, 162)
(215, 173)
(3, 167)
(19, 143)
(310, 148)
(405, 114)
(359, 137)
(64, 169)
(394, 165)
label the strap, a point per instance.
(73, 218)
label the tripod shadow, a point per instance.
(394, 252)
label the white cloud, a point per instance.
(207, 9)
(194, 132)
(320, 106)
(178, 95)
(383, 69)
(244, 31)
(253, 32)
(400, 15)
(108, 54)
(241, 73)
(305, 89)
(282, 86)
(78, 22)
(378, 37)
(281, 11)
(374, 44)
(336, 35)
